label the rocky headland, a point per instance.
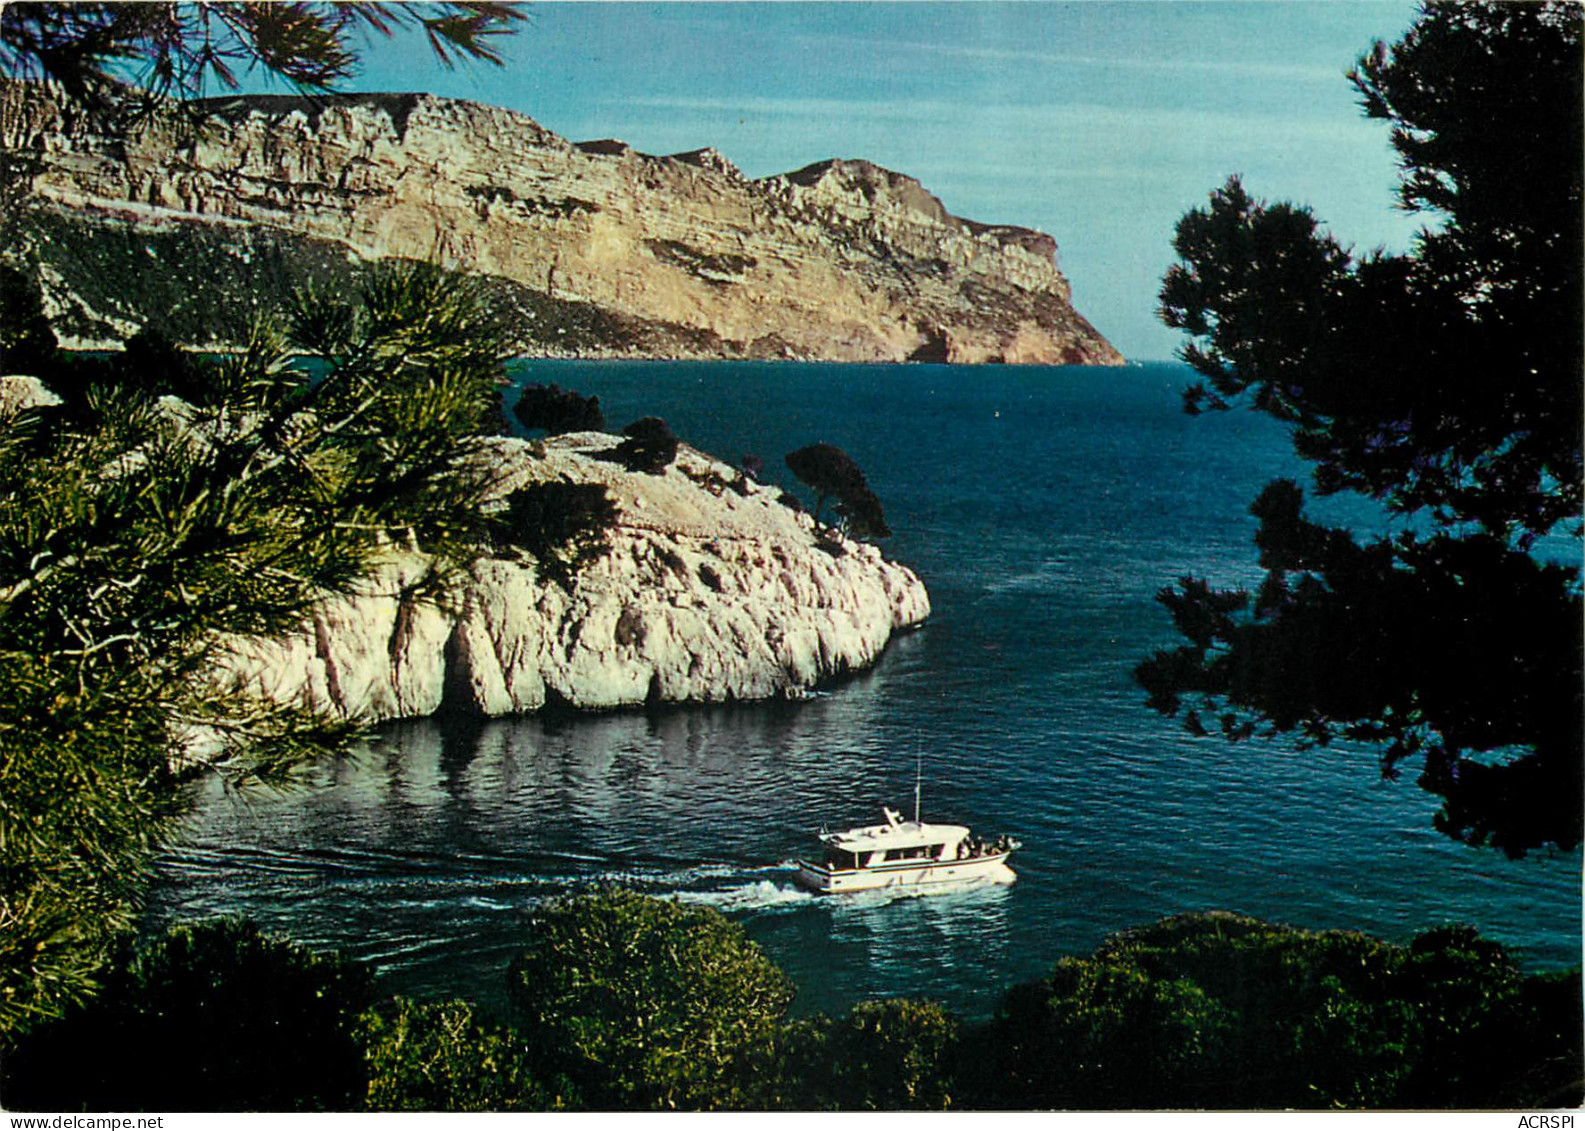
(188, 218)
(711, 591)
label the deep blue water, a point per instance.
(1044, 508)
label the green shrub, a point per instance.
(1221, 1011)
(892, 1055)
(562, 524)
(647, 1004)
(557, 410)
(443, 1056)
(213, 1017)
(650, 446)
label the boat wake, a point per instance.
(758, 895)
(453, 884)
(661, 880)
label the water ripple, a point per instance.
(1042, 540)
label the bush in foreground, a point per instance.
(647, 1004)
(892, 1055)
(135, 533)
(625, 1002)
(212, 1017)
(1221, 1011)
(445, 1056)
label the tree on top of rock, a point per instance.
(558, 410)
(563, 524)
(863, 516)
(832, 474)
(650, 447)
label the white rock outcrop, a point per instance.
(18, 392)
(705, 595)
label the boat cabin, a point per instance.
(895, 841)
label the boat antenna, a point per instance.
(919, 773)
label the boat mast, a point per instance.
(919, 773)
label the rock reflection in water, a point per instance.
(426, 852)
(1043, 509)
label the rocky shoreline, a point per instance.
(706, 595)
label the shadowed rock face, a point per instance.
(194, 215)
(707, 594)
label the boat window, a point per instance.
(839, 860)
(914, 853)
(935, 849)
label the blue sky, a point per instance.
(1097, 122)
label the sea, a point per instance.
(1044, 508)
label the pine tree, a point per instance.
(137, 533)
(1444, 384)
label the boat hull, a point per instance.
(904, 874)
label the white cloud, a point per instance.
(1158, 125)
(1221, 68)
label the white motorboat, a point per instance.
(904, 854)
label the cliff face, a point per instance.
(187, 218)
(706, 595)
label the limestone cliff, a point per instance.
(184, 219)
(706, 595)
(710, 591)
